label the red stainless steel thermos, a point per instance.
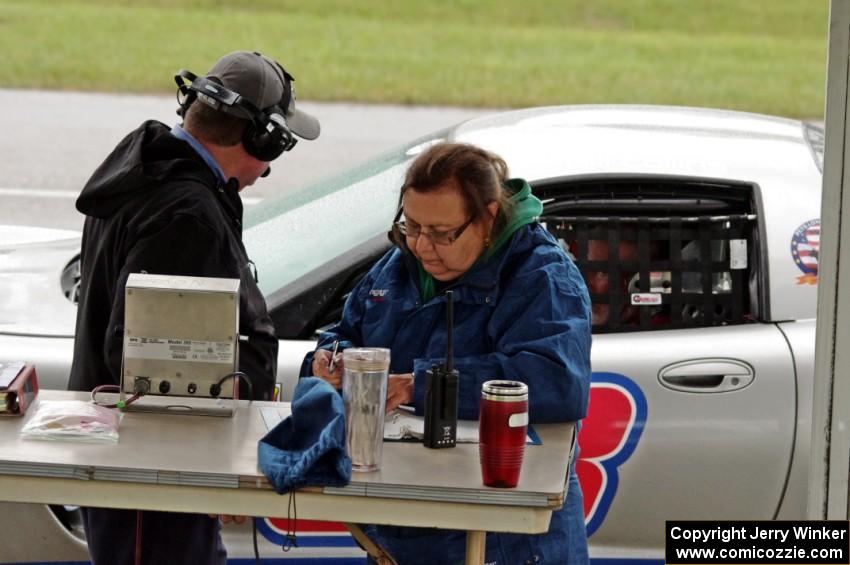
(502, 431)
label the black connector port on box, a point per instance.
(141, 386)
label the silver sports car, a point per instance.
(698, 234)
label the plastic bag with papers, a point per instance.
(73, 420)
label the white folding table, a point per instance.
(203, 464)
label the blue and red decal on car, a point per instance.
(311, 533)
(609, 435)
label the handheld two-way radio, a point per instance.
(441, 393)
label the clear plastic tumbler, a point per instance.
(364, 393)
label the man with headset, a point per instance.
(166, 201)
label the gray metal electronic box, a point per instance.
(180, 340)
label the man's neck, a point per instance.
(226, 157)
(207, 151)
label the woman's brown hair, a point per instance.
(478, 176)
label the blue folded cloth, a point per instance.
(308, 447)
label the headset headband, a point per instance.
(286, 80)
(210, 92)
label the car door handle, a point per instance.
(694, 381)
(707, 375)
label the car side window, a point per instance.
(659, 253)
(314, 302)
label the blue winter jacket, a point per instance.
(524, 314)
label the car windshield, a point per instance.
(290, 235)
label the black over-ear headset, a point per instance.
(267, 136)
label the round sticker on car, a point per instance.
(805, 248)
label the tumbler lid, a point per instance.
(367, 358)
(513, 389)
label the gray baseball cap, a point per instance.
(264, 83)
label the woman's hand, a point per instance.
(321, 362)
(399, 390)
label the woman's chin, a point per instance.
(435, 270)
(440, 272)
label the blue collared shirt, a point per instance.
(180, 133)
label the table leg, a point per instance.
(475, 545)
(376, 551)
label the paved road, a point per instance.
(52, 141)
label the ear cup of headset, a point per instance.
(264, 142)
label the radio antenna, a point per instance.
(450, 307)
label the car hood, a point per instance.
(33, 262)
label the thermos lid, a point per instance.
(366, 358)
(505, 390)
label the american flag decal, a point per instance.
(805, 247)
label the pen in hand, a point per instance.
(332, 363)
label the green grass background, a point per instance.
(757, 55)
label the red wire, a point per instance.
(111, 388)
(138, 537)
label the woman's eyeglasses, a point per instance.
(446, 237)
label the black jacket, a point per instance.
(154, 205)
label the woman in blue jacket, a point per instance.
(521, 312)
